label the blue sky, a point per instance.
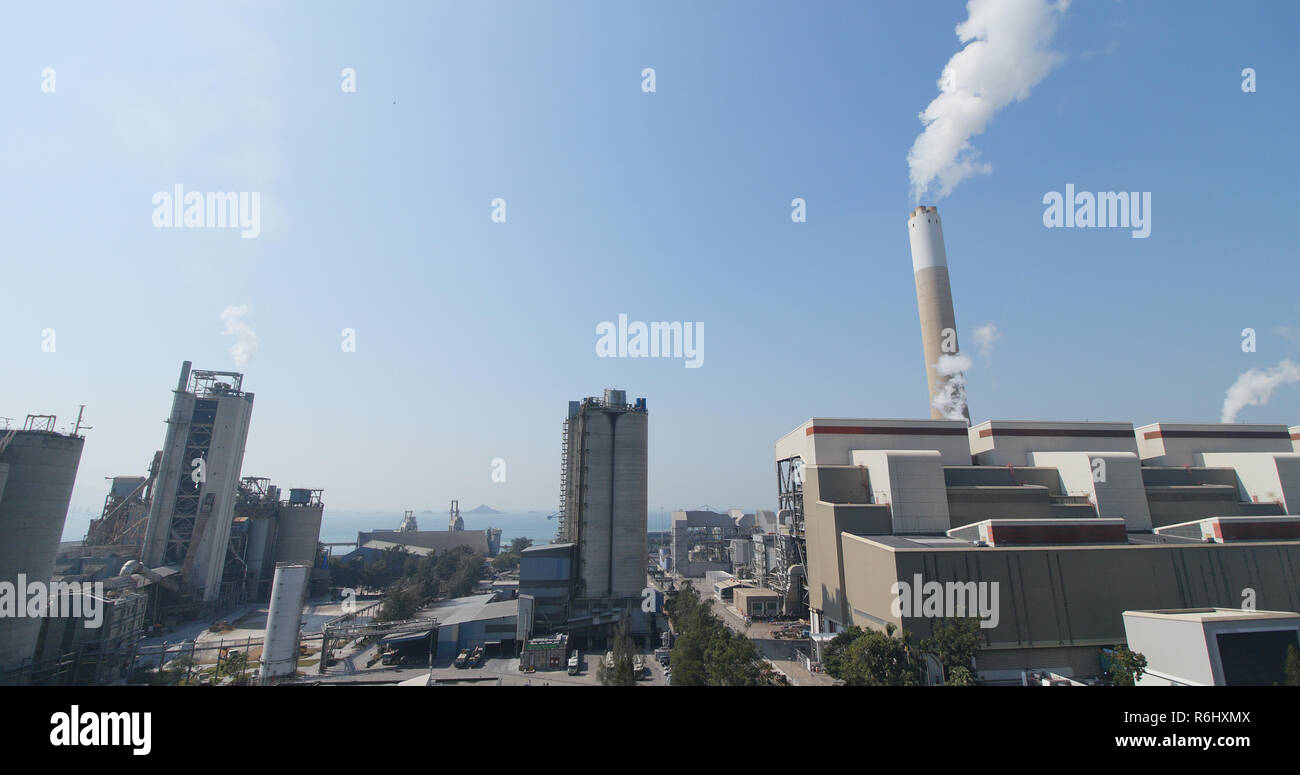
(675, 205)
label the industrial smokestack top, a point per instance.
(925, 230)
(934, 305)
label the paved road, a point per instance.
(777, 652)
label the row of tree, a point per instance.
(410, 580)
(873, 658)
(706, 652)
(509, 559)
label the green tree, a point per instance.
(706, 652)
(872, 658)
(1125, 667)
(953, 643)
(517, 545)
(234, 664)
(621, 672)
(1291, 667)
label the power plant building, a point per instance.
(1048, 531)
(1067, 519)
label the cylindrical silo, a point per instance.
(628, 545)
(37, 471)
(609, 470)
(933, 301)
(284, 622)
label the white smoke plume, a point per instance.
(1255, 388)
(245, 346)
(951, 398)
(986, 336)
(1006, 55)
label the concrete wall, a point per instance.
(1001, 442)
(831, 441)
(1264, 477)
(1068, 596)
(37, 472)
(1111, 480)
(912, 483)
(824, 524)
(1180, 444)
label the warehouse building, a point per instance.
(475, 620)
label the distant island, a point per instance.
(484, 509)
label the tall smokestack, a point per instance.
(943, 362)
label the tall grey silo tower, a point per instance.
(38, 467)
(604, 500)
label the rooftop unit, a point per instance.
(1227, 529)
(1043, 532)
(1182, 444)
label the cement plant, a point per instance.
(1062, 545)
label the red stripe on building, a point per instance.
(860, 430)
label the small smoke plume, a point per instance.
(245, 346)
(986, 336)
(1006, 56)
(1255, 388)
(951, 398)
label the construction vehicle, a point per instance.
(462, 659)
(476, 658)
(575, 662)
(639, 669)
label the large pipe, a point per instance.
(933, 298)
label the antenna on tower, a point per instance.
(77, 430)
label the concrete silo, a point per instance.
(284, 622)
(37, 470)
(605, 506)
